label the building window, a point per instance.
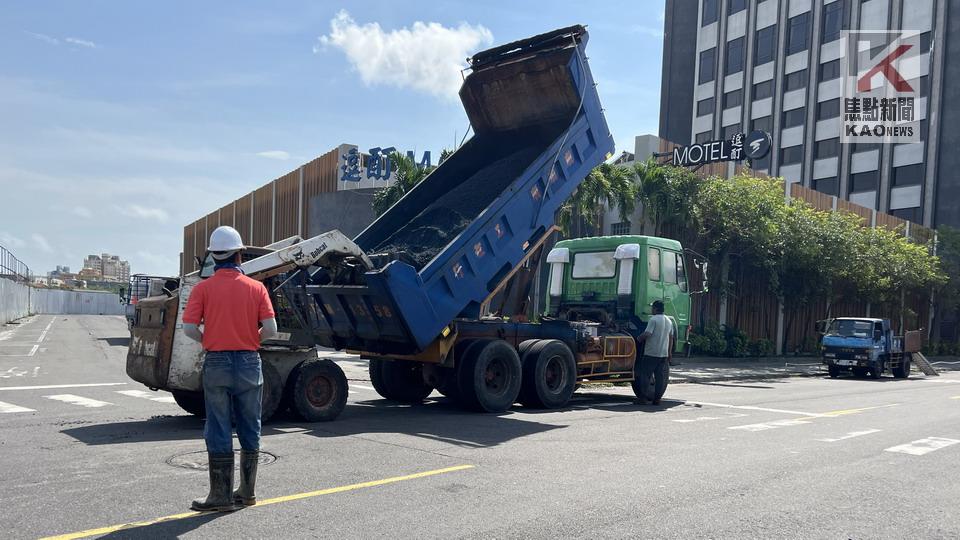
(828, 109)
(703, 136)
(921, 85)
(910, 214)
(730, 131)
(798, 33)
(924, 42)
(711, 10)
(827, 148)
(762, 90)
(909, 175)
(620, 228)
(793, 118)
(734, 6)
(865, 181)
(707, 60)
(705, 107)
(830, 70)
(836, 18)
(791, 155)
(764, 123)
(733, 98)
(830, 186)
(734, 58)
(765, 45)
(864, 147)
(762, 164)
(795, 80)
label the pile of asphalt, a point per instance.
(438, 224)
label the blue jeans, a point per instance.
(232, 383)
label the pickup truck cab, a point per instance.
(862, 345)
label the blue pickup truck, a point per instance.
(862, 346)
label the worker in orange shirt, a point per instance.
(232, 309)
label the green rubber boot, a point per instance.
(245, 494)
(221, 486)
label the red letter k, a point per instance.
(886, 67)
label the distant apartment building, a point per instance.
(734, 66)
(105, 266)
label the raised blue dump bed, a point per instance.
(539, 130)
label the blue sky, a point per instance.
(124, 121)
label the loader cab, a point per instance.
(614, 279)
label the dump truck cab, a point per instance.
(614, 279)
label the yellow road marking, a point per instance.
(955, 397)
(264, 502)
(845, 412)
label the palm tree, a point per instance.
(667, 194)
(407, 175)
(605, 185)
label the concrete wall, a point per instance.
(76, 302)
(14, 300)
(350, 211)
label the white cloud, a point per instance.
(10, 241)
(81, 42)
(427, 57)
(44, 38)
(647, 30)
(143, 212)
(41, 243)
(82, 211)
(275, 154)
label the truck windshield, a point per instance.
(848, 328)
(600, 264)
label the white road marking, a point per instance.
(751, 408)
(935, 363)
(922, 446)
(290, 429)
(708, 418)
(152, 396)
(851, 435)
(33, 350)
(45, 330)
(771, 425)
(51, 386)
(79, 400)
(363, 387)
(11, 408)
(938, 380)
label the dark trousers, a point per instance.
(652, 376)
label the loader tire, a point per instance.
(192, 402)
(319, 390)
(489, 376)
(271, 393)
(549, 375)
(399, 380)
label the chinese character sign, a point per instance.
(350, 168)
(882, 72)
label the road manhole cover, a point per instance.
(198, 460)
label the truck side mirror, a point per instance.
(821, 326)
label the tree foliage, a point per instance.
(666, 193)
(606, 185)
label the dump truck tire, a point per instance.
(903, 370)
(271, 393)
(192, 402)
(489, 376)
(833, 371)
(449, 385)
(859, 372)
(399, 380)
(319, 391)
(549, 375)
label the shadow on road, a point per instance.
(439, 419)
(165, 529)
(116, 341)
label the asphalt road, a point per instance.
(84, 448)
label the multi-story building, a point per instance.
(105, 266)
(733, 66)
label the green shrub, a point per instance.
(760, 347)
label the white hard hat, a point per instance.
(225, 238)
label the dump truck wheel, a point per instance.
(876, 372)
(490, 376)
(859, 372)
(833, 371)
(549, 375)
(399, 380)
(192, 402)
(449, 384)
(320, 390)
(271, 393)
(903, 370)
